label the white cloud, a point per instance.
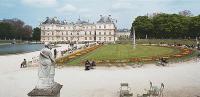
(67, 8)
(40, 3)
(121, 5)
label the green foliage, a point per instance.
(14, 29)
(167, 26)
(36, 34)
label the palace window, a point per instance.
(99, 27)
(71, 33)
(99, 38)
(104, 38)
(90, 32)
(85, 38)
(85, 33)
(104, 26)
(99, 33)
(109, 33)
(104, 33)
(66, 38)
(109, 38)
(90, 38)
(77, 33)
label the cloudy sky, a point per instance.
(124, 11)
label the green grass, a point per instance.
(165, 41)
(123, 51)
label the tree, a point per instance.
(167, 26)
(36, 34)
(143, 26)
(194, 27)
(14, 29)
(185, 13)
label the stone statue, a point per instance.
(46, 87)
(46, 70)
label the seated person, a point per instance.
(24, 64)
(92, 65)
(87, 65)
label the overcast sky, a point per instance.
(35, 11)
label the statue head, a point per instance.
(47, 45)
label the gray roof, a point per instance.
(51, 21)
(79, 21)
(105, 19)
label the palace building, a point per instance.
(54, 30)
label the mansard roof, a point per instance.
(79, 21)
(105, 19)
(51, 21)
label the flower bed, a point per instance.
(76, 54)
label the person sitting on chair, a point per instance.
(87, 65)
(23, 64)
(92, 65)
(163, 61)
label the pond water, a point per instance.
(19, 48)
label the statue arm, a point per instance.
(51, 58)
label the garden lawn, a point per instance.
(123, 51)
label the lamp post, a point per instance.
(134, 44)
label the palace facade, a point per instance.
(54, 30)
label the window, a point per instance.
(109, 33)
(90, 32)
(104, 33)
(109, 38)
(71, 33)
(90, 38)
(99, 33)
(104, 38)
(85, 33)
(99, 38)
(66, 38)
(85, 38)
(99, 27)
(77, 33)
(62, 38)
(104, 26)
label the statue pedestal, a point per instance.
(51, 92)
